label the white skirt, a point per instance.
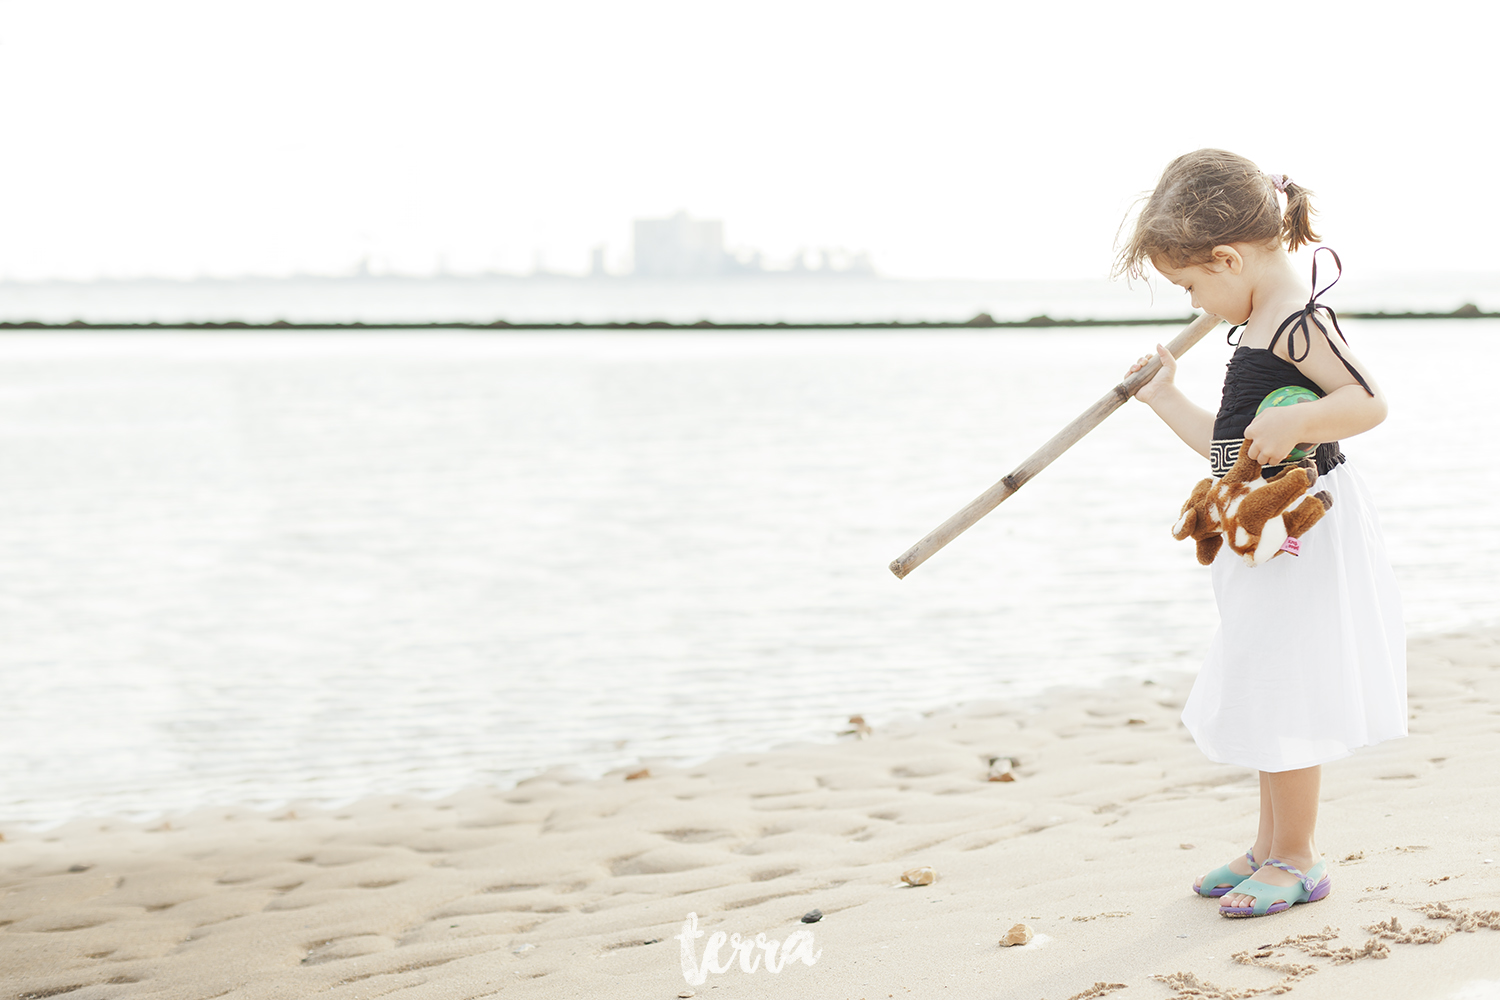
(1309, 662)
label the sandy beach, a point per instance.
(565, 887)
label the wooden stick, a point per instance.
(1061, 442)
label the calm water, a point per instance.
(261, 568)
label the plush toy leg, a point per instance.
(1307, 465)
(1208, 548)
(1245, 469)
(1307, 513)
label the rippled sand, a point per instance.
(564, 887)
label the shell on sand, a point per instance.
(1019, 934)
(919, 876)
(861, 727)
(1001, 769)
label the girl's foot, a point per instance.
(1271, 875)
(1228, 876)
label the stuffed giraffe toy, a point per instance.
(1254, 516)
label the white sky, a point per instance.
(975, 139)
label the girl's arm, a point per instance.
(1191, 422)
(1346, 410)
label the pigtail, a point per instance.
(1296, 223)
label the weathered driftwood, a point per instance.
(1064, 439)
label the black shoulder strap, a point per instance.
(1298, 323)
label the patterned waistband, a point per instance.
(1223, 454)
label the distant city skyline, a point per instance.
(681, 246)
(676, 247)
(973, 140)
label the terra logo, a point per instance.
(749, 951)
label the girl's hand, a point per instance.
(1271, 436)
(1161, 381)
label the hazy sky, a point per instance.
(977, 139)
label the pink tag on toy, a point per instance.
(1291, 545)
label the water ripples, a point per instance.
(260, 569)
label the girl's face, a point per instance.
(1217, 287)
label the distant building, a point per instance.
(684, 247)
(680, 247)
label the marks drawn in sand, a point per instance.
(1098, 990)
(1463, 920)
(1188, 986)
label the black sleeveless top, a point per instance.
(1255, 372)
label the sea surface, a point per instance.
(262, 568)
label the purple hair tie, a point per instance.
(1280, 182)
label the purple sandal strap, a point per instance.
(1307, 883)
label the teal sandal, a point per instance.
(1276, 898)
(1212, 884)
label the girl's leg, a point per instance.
(1294, 816)
(1267, 832)
(1263, 837)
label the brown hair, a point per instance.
(1210, 198)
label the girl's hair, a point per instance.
(1210, 198)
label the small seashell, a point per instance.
(861, 727)
(812, 916)
(644, 772)
(1135, 722)
(1019, 934)
(685, 994)
(919, 876)
(1001, 769)
(1186, 847)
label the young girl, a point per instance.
(1309, 662)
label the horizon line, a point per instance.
(982, 321)
(727, 278)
